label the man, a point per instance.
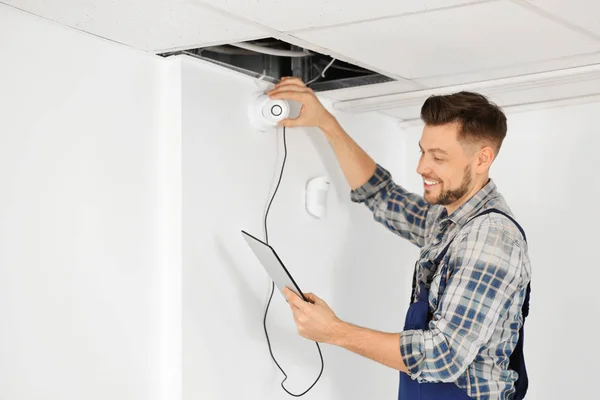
(462, 337)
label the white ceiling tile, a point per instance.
(156, 25)
(513, 70)
(583, 86)
(583, 13)
(453, 41)
(378, 89)
(286, 15)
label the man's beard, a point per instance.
(448, 197)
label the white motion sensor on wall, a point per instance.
(316, 197)
(265, 112)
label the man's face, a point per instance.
(446, 166)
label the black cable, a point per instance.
(273, 289)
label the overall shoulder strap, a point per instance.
(491, 210)
(442, 254)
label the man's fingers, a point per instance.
(300, 97)
(293, 306)
(310, 298)
(294, 299)
(291, 79)
(291, 122)
(289, 295)
(313, 298)
(298, 322)
(288, 88)
(291, 85)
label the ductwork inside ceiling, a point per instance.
(273, 58)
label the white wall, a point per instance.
(547, 172)
(80, 234)
(229, 170)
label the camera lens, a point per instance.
(276, 110)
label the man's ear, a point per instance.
(485, 157)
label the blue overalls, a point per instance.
(418, 318)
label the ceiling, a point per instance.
(423, 44)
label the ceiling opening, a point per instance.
(273, 58)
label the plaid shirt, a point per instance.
(477, 304)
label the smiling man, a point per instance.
(463, 336)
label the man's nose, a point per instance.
(422, 167)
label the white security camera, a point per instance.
(266, 112)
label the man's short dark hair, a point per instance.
(479, 119)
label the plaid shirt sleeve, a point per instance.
(402, 212)
(484, 274)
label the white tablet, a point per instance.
(272, 264)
